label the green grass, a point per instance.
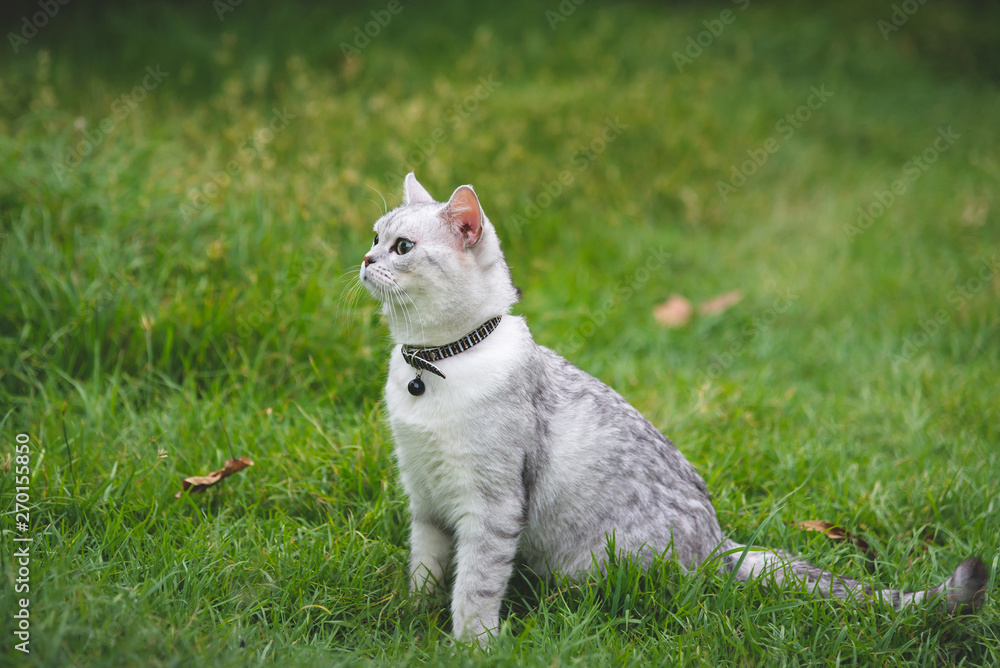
(138, 330)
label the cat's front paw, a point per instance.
(476, 630)
(425, 582)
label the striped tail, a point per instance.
(964, 591)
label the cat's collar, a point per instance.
(421, 358)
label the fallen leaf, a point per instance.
(834, 532)
(199, 483)
(675, 312)
(831, 530)
(720, 303)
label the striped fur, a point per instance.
(965, 590)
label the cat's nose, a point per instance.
(368, 260)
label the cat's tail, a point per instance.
(964, 591)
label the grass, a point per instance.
(153, 308)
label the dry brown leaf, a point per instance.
(199, 483)
(675, 312)
(831, 530)
(720, 303)
(834, 532)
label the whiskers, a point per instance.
(349, 295)
(385, 207)
(395, 300)
(406, 314)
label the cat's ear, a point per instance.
(413, 192)
(465, 215)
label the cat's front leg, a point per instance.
(430, 552)
(486, 546)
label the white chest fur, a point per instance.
(441, 435)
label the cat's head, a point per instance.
(437, 268)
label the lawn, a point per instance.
(186, 191)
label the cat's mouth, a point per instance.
(381, 285)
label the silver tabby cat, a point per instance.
(515, 451)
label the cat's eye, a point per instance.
(403, 246)
(375, 243)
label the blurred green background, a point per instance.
(187, 189)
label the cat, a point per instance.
(506, 449)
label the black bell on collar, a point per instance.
(416, 387)
(422, 359)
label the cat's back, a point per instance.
(602, 469)
(573, 396)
